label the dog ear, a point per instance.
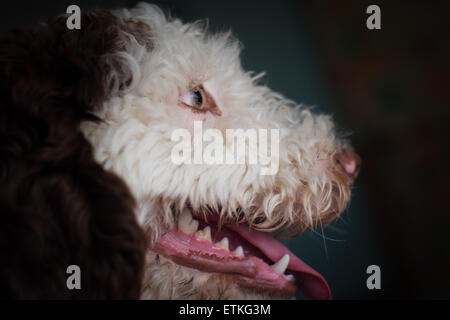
(58, 207)
(87, 64)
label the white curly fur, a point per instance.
(134, 141)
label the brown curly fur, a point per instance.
(58, 207)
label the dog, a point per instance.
(89, 179)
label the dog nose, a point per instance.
(350, 163)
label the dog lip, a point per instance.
(248, 271)
(186, 250)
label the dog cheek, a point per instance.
(188, 118)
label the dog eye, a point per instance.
(195, 98)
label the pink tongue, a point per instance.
(311, 283)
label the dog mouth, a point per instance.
(254, 259)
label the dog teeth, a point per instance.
(289, 277)
(186, 223)
(185, 216)
(194, 225)
(223, 244)
(204, 234)
(239, 251)
(281, 265)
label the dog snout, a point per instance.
(350, 163)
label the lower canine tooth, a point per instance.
(289, 277)
(239, 251)
(223, 244)
(194, 225)
(185, 216)
(189, 228)
(281, 265)
(186, 223)
(204, 234)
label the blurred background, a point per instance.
(387, 88)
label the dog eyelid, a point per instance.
(198, 100)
